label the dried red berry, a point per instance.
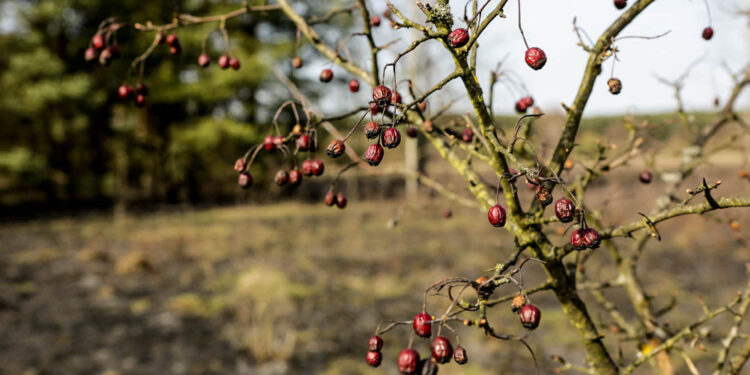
(519, 301)
(441, 348)
(335, 148)
(268, 143)
(375, 21)
(354, 85)
(576, 239)
(281, 178)
(382, 96)
(125, 92)
(496, 216)
(374, 154)
(459, 355)
(234, 63)
(374, 358)
(372, 130)
(535, 58)
(91, 54)
(543, 196)
(565, 210)
(422, 106)
(203, 60)
(97, 41)
(615, 86)
(245, 180)
(303, 142)
(297, 62)
(421, 328)
(458, 38)
(375, 343)
(620, 4)
(521, 106)
(591, 238)
(240, 165)
(427, 367)
(140, 100)
(391, 138)
(224, 61)
(318, 167)
(326, 75)
(341, 200)
(408, 359)
(330, 198)
(396, 98)
(528, 101)
(530, 316)
(646, 177)
(375, 109)
(105, 57)
(411, 132)
(307, 167)
(295, 177)
(468, 135)
(708, 33)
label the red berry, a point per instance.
(441, 348)
(646, 177)
(295, 177)
(447, 214)
(240, 165)
(530, 316)
(591, 238)
(203, 60)
(142, 89)
(372, 130)
(375, 343)
(375, 109)
(374, 358)
(354, 85)
(172, 40)
(375, 21)
(496, 216)
(318, 167)
(303, 142)
(468, 135)
(268, 143)
(535, 58)
(565, 210)
(615, 85)
(281, 178)
(98, 41)
(175, 49)
(458, 38)
(224, 61)
(140, 100)
(278, 140)
(326, 75)
(576, 239)
(459, 355)
(297, 62)
(381, 95)
(91, 54)
(330, 198)
(307, 167)
(411, 132)
(391, 138)
(619, 4)
(422, 106)
(245, 180)
(374, 154)
(521, 106)
(341, 200)
(234, 63)
(421, 328)
(125, 92)
(408, 359)
(105, 57)
(396, 98)
(335, 148)
(708, 33)
(528, 101)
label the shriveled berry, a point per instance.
(341, 200)
(591, 238)
(374, 154)
(374, 358)
(245, 180)
(521, 106)
(140, 100)
(234, 63)
(421, 328)
(297, 62)
(375, 109)
(565, 210)
(535, 58)
(142, 89)
(268, 143)
(330, 198)
(240, 165)
(519, 301)
(396, 98)
(375, 21)
(391, 138)
(620, 4)
(468, 135)
(576, 239)
(543, 196)
(408, 360)
(326, 75)
(382, 95)
(335, 148)
(203, 60)
(295, 177)
(441, 348)
(224, 61)
(411, 132)
(303, 142)
(281, 178)
(459, 355)
(458, 38)
(375, 343)
(496, 216)
(354, 85)
(318, 167)
(615, 86)
(97, 41)
(427, 367)
(646, 177)
(307, 167)
(372, 130)
(125, 92)
(90, 54)
(530, 316)
(708, 33)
